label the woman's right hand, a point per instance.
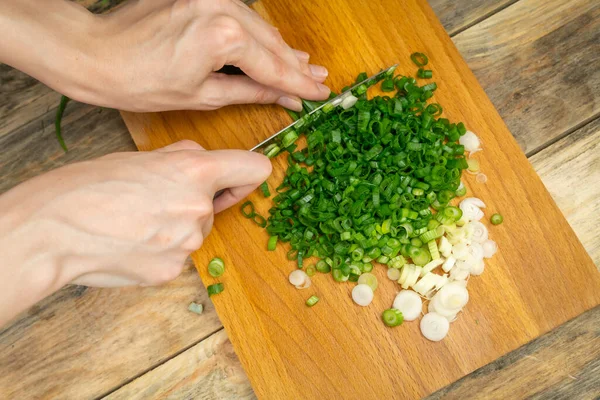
(123, 219)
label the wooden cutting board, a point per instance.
(540, 278)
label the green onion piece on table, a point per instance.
(311, 270)
(312, 300)
(216, 267)
(497, 219)
(392, 317)
(196, 308)
(215, 289)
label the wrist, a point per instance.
(54, 41)
(30, 265)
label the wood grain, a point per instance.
(570, 170)
(208, 370)
(290, 351)
(564, 363)
(552, 66)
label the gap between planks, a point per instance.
(482, 18)
(158, 364)
(563, 135)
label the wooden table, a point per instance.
(539, 62)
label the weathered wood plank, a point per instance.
(458, 15)
(539, 63)
(82, 343)
(570, 170)
(208, 370)
(564, 362)
(33, 149)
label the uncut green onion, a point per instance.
(392, 317)
(58, 121)
(215, 289)
(496, 219)
(265, 189)
(312, 300)
(216, 267)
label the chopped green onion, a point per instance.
(265, 189)
(216, 267)
(196, 308)
(424, 73)
(387, 85)
(392, 317)
(272, 243)
(215, 289)
(311, 270)
(248, 209)
(419, 59)
(323, 267)
(312, 300)
(496, 219)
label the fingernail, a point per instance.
(323, 88)
(290, 103)
(302, 55)
(318, 71)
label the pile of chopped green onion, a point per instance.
(374, 184)
(364, 187)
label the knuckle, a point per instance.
(189, 144)
(228, 32)
(279, 70)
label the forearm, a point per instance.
(51, 40)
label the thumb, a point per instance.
(239, 173)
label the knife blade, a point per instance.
(337, 100)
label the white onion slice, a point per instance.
(368, 279)
(299, 279)
(442, 281)
(470, 141)
(477, 268)
(413, 277)
(409, 303)
(362, 294)
(453, 296)
(430, 266)
(434, 327)
(393, 274)
(481, 178)
(448, 264)
(434, 306)
(445, 247)
(471, 208)
(479, 231)
(460, 251)
(459, 274)
(475, 251)
(489, 248)
(405, 272)
(426, 284)
(348, 102)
